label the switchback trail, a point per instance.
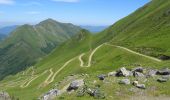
(90, 57)
(55, 74)
(26, 84)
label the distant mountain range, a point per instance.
(32, 41)
(8, 29)
(94, 29)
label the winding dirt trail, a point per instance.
(131, 51)
(55, 74)
(90, 57)
(134, 52)
(27, 83)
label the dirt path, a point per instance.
(90, 57)
(55, 74)
(27, 83)
(51, 74)
(131, 51)
(81, 61)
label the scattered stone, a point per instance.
(124, 81)
(123, 72)
(151, 73)
(141, 86)
(82, 91)
(112, 74)
(96, 93)
(101, 77)
(51, 94)
(75, 85)
(4, 96)
(163, 72)
(138, 69)
(138, 74)
(135, 83)
(161, 80)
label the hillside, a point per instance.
(136, 41)
(27, 44)
(145, 31)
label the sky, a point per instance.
(79, 12)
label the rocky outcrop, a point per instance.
(123, 72)
(75, 85)
(51, 94)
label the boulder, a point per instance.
(75, 85)
(4, 96)
(123, 72)
(138, 74)
(124, 81)
(141, 86)
(151, 73)
(163, 72)
(51, 94)
(135, 83)
(138, 69)
(101, 77)
(161, 80)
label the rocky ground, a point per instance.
(136, 78)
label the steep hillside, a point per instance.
(28, 43)
(146, 30)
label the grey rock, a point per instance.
(163, 72)
(161, 80)
(96, 93)
(124, 81)
(123, 72)
(151, 73)
(101, 77)
(4, 96)
(51, 94)
(75, 85)
(138, 69)
(141, 86)
(138, 74)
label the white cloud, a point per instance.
(69, 1)
(6, 2)
(33, 12)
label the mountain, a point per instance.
(2, 37)
(93, 57)
(8, 29)
(28, 43)
(94, 29)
